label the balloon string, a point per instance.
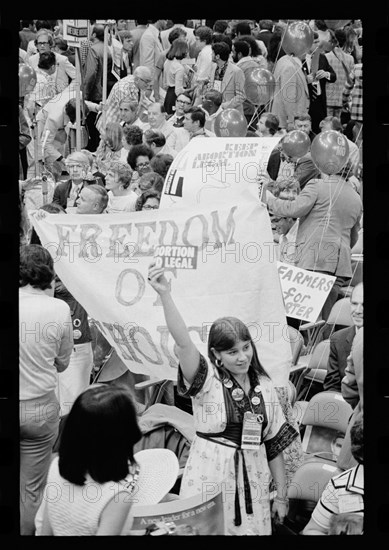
(256, 113)
(280, 45)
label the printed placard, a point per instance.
(178, 257)
(75, 30)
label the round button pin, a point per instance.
(237, 394)
(257, 388)
(255, 400)
(228, 382)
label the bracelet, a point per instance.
(282, 500)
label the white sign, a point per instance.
(304, 291)
(103, 260)
(211, 170)
(75, 31)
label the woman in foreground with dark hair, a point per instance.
(96, 476)
(241, 429)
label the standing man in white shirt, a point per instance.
(45, 346)
(204, 62)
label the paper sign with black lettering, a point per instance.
(210, 170)
(179, 257)
(304, 291)
(75, 30)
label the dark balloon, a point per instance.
(336, 23)
(330, 151)
(27, 79)
(296, 144)
(230, 123)
(298, 38)
(260, 86)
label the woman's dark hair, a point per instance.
(43, 24)
(179, 49)
(274, 45)
(133, 134)
(255, 50)
(356, 436)
(161, 164)
(52, 208)
(47, 60)
(177, 32)
(225, 332)
(151, 180)
(99, 435)
(136, 151)
(153, 136)
(36, 266)
(142, 199)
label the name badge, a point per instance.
(251, 433)
(217, 85)
(350, 502)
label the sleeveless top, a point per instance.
(74, 510)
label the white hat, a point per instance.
(158, 473)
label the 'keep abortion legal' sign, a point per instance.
(304, 291)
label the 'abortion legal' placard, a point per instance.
(304, 291)
(210, 170)
(218, 262)
(180, 257)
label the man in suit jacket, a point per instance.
(341, 343)
(265, 31)
(65, 71)
(318, 72)
(151, 44)
(136, 35)
(291, 97)
(227, 78)
(329, 212)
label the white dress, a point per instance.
(211, 466)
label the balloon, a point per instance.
(230, 123)
(330, 151)
(296, 144)
(260, 86)
(298, 38)
(336, 23)
(27, 79)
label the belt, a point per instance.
(233, 432)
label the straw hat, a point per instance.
(158, 473)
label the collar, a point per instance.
(355, 482)
(28, 289)
(247, 58)
(200, 132)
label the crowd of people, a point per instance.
(109, 152)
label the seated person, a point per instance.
(121, 198)
(344, 492)
(341, 343)
(148, 200)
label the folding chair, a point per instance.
(324, 425)
(306, 487)
(309, 378)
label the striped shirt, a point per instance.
(125, 87)
(343, 493)
(355, 89)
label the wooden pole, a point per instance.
(105, 63)
(78, 103)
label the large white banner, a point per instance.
(212, 170)
(218, 258)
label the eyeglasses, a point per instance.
(142, 164)
(148, 207)
(42, 43)
(183, 102)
